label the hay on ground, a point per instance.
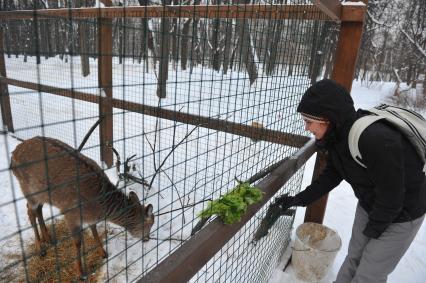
(58, 265)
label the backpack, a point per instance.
(411, 124)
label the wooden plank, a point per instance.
(251, 132)
(347, 53)
(6, 112)
(105, 85)
(87, 97)
(343, 73)
(215, 124)
(330, 7)
(254, 11)
(189, 258)
(353, 12)
(315, 211)
(349, 12)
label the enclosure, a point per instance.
(189, 99)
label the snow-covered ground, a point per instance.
(341, 209)
(202, 167)
(208, 168)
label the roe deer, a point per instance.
(50, 171)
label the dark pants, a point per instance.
(372, 260)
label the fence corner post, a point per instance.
(343, 73)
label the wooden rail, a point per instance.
(205, 122)
(330, 8)
(185, 262)
(249, 11)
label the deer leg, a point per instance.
(77, 243)
(76, 234)
(32, 216)
(45, 237)
(98, 240)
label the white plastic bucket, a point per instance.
(314, 251)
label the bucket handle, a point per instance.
(309, 249)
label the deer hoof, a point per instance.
(43, 250)
(53, 241)
(83, 277)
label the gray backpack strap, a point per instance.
(354, 134)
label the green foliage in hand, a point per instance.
(231, 206)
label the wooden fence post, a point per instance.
(316, 210)
(105, 86)
(343, 73)
(6, 112)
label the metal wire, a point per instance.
(242, 71)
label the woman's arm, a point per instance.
(383, 153)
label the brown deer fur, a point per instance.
(50, 171)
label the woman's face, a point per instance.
(318, 128)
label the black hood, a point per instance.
(329, 100)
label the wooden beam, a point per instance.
(353, 12)
(87, 97)
(347, 53)
(331, 8)
(315, 211)
(342, 12)
(251, 132)
(253, 11)
(343, 73)
(189, 258)
(216, 124)
(6, 111)
(105, 85)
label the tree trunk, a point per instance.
(184, 43)
(174, 37)
(82, 31)
(424, 85)
(147, 39)
(314, 58)
(83, 40)
(228, 45)
(164, 58)
(245, 46)
(273, 48)
(266, 41)
(175, 41)
(133, 42)
(215, 35)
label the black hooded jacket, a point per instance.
(392, 188)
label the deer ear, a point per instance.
(134, 198)
(148, 210)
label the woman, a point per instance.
(391, 190)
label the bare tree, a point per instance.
(245, 46)
(164, 57)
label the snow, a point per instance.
(358, 3)
(198, 169)
(14, 222)
(341, 206)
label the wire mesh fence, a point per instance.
(197, 102)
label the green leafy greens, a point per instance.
(231, 206)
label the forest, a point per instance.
(393, 46)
